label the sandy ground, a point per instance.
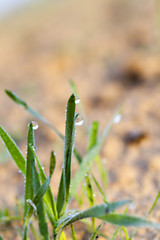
(110, 48)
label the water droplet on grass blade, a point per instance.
(35, 125)
(79, 120)
(77, 99)
(117, 118)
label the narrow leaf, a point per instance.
(73, 233)
(96, 211)
(127, 220)
(52, 163)
(13, 150)
(64, 187)
(94, 236)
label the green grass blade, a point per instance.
(13, 150)
(100, 189)
(22, 103)
(29, 191)
(73, 233)
(29, 188)
(127, 220)
(32, 187)
(90, 196)
(96, 211)
(48, 197)
(94, 236)
(93, 135)
(64, 187)
(89, 158)
(52, 163)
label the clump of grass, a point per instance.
(39, 200)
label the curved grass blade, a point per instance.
(127, 220)
(96, 211)
(13, 150)
(64, 187)
(22, 103)
(89, 158)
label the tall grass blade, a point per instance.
(32, 187)
(13, 150)
(89, 158)
(64, 187)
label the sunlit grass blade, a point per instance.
(90, 196)
(125, 233)
(93, 135)
(100, 189)
(64, 187)
(127, 220)
(22, 103)
(73, 233)
(13, 150)
(96, 211)
(94, 236)
(89, 158)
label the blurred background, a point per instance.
(110, 49)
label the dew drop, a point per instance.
(94, 195)
(35, 125)
(117, 118)
(20, 171)
(79, 121)
(77, 99)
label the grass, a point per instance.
(52, 213)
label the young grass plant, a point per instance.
(39, 199)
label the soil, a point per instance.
(110, 48)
